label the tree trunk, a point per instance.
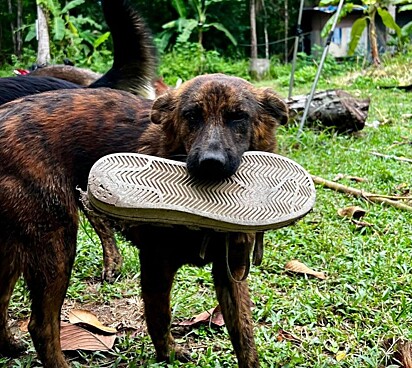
(286, 31)
(43, 51)
(12, 28)
(253, 36)
(373, 37)
(265, 29)
(19, 40)
(332, 108)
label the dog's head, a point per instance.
(214, 119)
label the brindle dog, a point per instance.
(49, 142)
(134, 68)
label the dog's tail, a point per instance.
(135, 58)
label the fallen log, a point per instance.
(335, 109)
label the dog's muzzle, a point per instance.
(212, 165)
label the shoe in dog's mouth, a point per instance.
(267, 191)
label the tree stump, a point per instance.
(335, 109)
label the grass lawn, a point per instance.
(300, 321)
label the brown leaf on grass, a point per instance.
(287, 336)
(213, 316)
(85, 317)
(74, 337)
(341, 355)
(352, 212)
(299, 267)
(24, 325)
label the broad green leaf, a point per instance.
(50, 6)
(162, 41)
(169, 25)
(407, 29)
(189, 26)
(200, 11)
(31, 34)
(389, 22)
(180, 7)
(405, 7)
(72, 4)
(103, 38)
(328, 2)
(58, 29)
(222, 28)
(357, 29)
(346, 9)
(71, 26)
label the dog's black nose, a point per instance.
(210, 165)
(212, 162)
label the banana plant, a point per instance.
(193, 16)
(370, 8)
(406, 31)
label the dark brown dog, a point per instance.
(134, 67)
(48, 144)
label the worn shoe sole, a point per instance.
(268, 191)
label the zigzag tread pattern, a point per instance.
(266, 187)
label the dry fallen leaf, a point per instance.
(213, 316)
(340, 355)
(299, 267)
(352, 212)
(24, 325)
(284, 335)
(74, 337)
(83, 316)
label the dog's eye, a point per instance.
(193, 116)
(236, 116)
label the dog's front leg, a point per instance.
(234, 299)
(157, 275)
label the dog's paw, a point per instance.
(111, 269)
(181, 354)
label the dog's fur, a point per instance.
(134, 68)
(48, 144)
(134, 61)
(80, 76)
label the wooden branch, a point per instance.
(397, 158)
(378, 154)
(360, 193)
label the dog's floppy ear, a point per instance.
(274, 106)
(272, 112)
(163, 108)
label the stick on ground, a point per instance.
(360, 193)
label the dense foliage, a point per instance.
(75, 28)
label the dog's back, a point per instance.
(12, 88)
(134, 60)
